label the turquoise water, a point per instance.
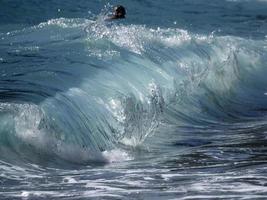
(169, 103)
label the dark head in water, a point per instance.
(119, 12)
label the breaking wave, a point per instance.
(76, 90)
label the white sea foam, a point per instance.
(116, 155)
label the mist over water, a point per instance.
(169, 103)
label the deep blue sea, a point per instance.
(168, 103)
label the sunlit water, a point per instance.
(169, 103)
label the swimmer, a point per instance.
(119, 13)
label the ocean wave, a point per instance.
(72, 89)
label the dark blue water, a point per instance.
(169, 103)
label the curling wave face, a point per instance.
(74, 89)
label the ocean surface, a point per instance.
(169, 103)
